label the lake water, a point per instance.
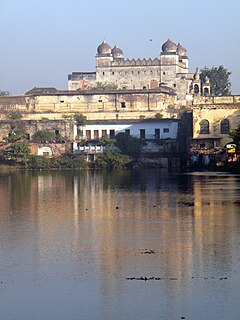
(123, 245)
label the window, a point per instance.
(103, 73)
(127, 131)
(180, 60)
(206, 92)
(123, 105)
(112, 134)
(113, 72)
(142, 133)
(104, 133)
(62, 101)
(165, 130)
(224, 126)
(88, 134)
(164, 73)
(96, 134)
(196, 88)
(204, 127)
(138, 72)
(57, 132)
(157, 133)
(100, 100)
(144, 87)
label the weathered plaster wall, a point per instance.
(214, 110)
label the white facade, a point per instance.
(155, 129)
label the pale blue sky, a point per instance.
(42, 41)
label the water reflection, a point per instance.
(83, 234)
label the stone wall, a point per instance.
(215, 110)
(97, 105)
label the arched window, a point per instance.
(206, 92)
(196, 88)
(204, 126)
(224, 126)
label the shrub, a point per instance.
(43, 136)
(110, 160)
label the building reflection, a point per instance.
(102, 223)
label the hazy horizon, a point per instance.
(43, 42)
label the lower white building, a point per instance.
(145, 129)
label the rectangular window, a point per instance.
(88, 134)
(57, 132)
(123, 105)
(127, 131)
(112, 134)
(165, 130)
(96, 134)
(142, 133)
(157, 133)
(104, 133)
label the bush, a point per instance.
(65, 162)
(17, 152)
(43, 136)
(110, 160)
(129, 145)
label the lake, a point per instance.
(144, 244)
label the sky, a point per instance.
(42, 41)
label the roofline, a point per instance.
(104, 92)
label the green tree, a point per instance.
(106, 141)
(16, 135)
(219, 80)
(80, 118)
(110, 160)
(235, 135)
(129, 145)
(44, 136)
(17, 152)
(5, 93)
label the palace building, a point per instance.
(170, 70)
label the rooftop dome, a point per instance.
(169, 46)
(181, 50)
(117, 52)
(104, 48)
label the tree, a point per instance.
(43, 136)
(80, 118)
(17, 151)
(129, 145)
(219, 80)
(235, 135)
(16, 135)
(4, 93)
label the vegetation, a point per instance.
(80, 118)
(110, 160)
(129, 145)
(219, 80)
(5, 93)
(235, 135)
(64, 162)
(17, 152)
(16, 115)
(17, 135)
(158, 116)
(105, 86)
(106, 141)
(44, 136)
